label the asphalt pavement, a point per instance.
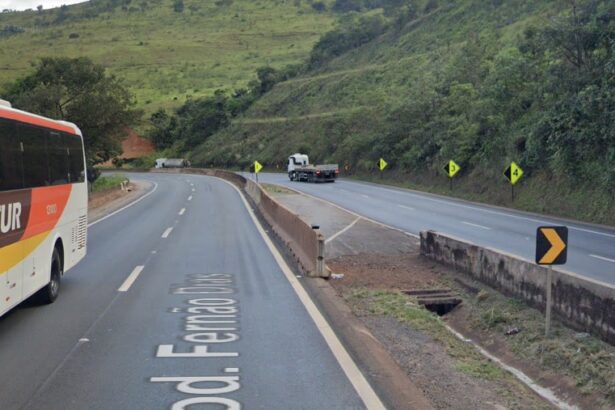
(591, 249)
(179, 303)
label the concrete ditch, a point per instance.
(579, 302)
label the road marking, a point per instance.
(476, 225)
(190, 198)
(182, 211)
(131, 279)
(343, 230)
(406, 207)
(167, 233)
(365, 196)
(350, 368)
(126, 207)
(602, 258)
(193, 190)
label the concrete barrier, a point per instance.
(305, 244)
(581, 303)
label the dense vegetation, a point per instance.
(79, 91)
(167, 51)
(480, 82)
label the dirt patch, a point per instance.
(451, 374)
(577, 367)
(378, 271)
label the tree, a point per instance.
(79, 91)
(39, 8)
(178, 6)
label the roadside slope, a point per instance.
(470, 80)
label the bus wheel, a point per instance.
(50, 292)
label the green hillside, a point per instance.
(480, 82)
(163, 51)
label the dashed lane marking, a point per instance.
(131, 279)
(476, 225)
(603, 258)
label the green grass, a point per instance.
(105, 183)
(396, 305)
(584, 358)
(165, 56)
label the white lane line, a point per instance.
(343, 230)
(167, 233)
(350, 368)
(406, 207)
(190, 198)
(126, 207)
(131, 279)
(365, 196)
(183, 210)
(602, 258)
(193, 190)
(476, 225)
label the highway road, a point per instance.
(180, 302)
(591, 250)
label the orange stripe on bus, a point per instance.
(28, 119)
(46, 207)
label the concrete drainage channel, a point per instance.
(438, 301)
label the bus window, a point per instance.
(10, 158)
(35, 159)
(76, 166)
(57, 152)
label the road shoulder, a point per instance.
(101, 204)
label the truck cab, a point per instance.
(296, 161)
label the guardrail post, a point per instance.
(320, 261)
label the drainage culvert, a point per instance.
(439, 301)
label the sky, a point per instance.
(31, 4)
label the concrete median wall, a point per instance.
(305, 244)
(581, 303)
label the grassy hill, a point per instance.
(481, 82)
(165, 55)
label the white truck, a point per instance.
(299, 169)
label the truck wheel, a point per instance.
(291, 176)
(51, 291)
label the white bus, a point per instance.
(43, 205)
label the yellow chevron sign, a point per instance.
(382, 164)
(551, 245)
(257, 167)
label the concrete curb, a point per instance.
(581, 303)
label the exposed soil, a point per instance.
(426, 361)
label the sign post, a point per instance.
(513, 173)
(451, 169)
(257, 168)
(551, 249)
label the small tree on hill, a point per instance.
(178, 6)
